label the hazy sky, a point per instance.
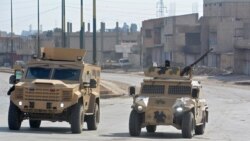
(109, 11)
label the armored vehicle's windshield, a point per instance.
(69, 74)
(66, 74)
(38, 73)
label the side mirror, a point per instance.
(195, 93)
(132, 91)
(19, 75)
(12, 79)
(92, 83)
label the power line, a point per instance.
(32, 16)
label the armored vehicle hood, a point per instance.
(52, 83)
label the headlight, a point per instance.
(179, 109)
(143, 101)
(140, 108)
(62, 105)
(20, 103)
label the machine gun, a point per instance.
(187, 69)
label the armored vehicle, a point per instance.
(59, 86)
(170, 97)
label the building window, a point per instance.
(157, 35)
(148, 33)
(220, 4)
(193, 39)
(213, 42)
(205, 5)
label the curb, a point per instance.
(6, 70)
(107, 96)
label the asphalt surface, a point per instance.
(229, 118)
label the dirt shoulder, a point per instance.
(235, 81)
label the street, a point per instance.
(229, 117)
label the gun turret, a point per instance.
(187, 69)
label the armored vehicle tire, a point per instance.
(188, 125)
(77, 118)
(93, 120)
(151, 128)
(135, 122)
(35, 124)
(14, 117)
(199, 130)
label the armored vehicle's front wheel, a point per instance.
(77, 118)
(199, 130)
(135, 122)
(14, 117)
(35, 124)
(151, 128)
(93, 120)
(188, 125)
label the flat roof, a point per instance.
(217, 1)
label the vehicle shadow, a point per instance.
(41, 130)
(157, 135)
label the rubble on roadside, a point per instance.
(211, 71)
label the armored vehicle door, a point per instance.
(199, 105)
(85, 89)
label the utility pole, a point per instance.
(94, 32)
(102, 41)
(38, 28)
(12, 48)
(82, 44)
(63, 25)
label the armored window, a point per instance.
(38, 73)
(179, 90)
(153, 89)
(67, 74)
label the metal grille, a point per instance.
(66, 96)
(153, 89)
(19, 93)
(181, 90)
(40, 94)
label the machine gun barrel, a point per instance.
(188, 68)
(202, 57)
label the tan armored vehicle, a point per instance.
(57, 87)
(169, 98)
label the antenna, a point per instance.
(160, 8)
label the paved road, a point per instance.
(229, 117)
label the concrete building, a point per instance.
(227, 8)
(225, 27)
(23, 49)
(242, 49)
(171, 38)
(106, 45)
(183, 42)
(3, 34)
(153, 41)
